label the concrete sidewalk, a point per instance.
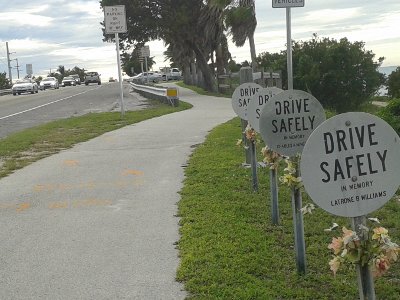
(98, 221)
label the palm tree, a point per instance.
(241, 21)
(61, 70)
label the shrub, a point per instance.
(391, 114)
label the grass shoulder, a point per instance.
(229, 248)
(21, 149)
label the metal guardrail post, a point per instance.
(166, 95)
(5, 92)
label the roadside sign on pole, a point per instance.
(350, 165)
(29, 69)
(115, 23)
(288, 119)
(287, 3)
(115, 19)
(260, 98)
(242, 96)
(145, 51)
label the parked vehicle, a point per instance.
(77, 78)
(68, 81)
(171, 74)
(49, 83)
(147, 76)
(26, 85)
(92, 77)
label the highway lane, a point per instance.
(28, 110)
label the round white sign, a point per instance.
(350, 165)
(288, 119)
(256, 104)
(242, 96)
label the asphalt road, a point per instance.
(98, 221)
(28, 110)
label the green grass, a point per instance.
(230, 250)
(23, 148)
(200, 91)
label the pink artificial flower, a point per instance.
(336, 245)
(380, 266)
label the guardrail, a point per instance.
(165, 95)
(5, 92)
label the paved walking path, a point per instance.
(98, 221)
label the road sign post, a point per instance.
(115, 23)
(286, 121)
(241, 98)
(296, 194)
(145, 53)
(260, 98)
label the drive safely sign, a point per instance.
(350, 165)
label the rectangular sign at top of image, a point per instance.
(115, 19)
(287, 3)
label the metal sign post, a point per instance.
(115, 22)
(121, 90)
(286, 122)
(145, 52)
(253, 113)
(241, 98)
(365, 280)
(296, 193)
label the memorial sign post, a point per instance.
(260, 98)
(241, 98)
(286, 121)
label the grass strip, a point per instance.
(23, 148)
(229, 248)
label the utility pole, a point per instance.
(17, 67)
(9, 64)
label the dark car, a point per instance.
(92, 77)
(77, 78)
(68, 81)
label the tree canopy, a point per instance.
(62, 72)
(192, 30)
(4, 81)
(393, 83)
(340, 74)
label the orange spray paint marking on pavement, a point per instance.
(71, 163)
(23, 206)
(132, 172)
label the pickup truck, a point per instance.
(173, 74)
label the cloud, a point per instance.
(28, 19)
(68, 32)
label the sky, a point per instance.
(58, 32)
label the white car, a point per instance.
(25, 85)
(151, 76)
(49, 83)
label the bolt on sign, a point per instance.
(255, 106)
(288, 119)
(350, 165)
(115, 19)
(242, 96)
